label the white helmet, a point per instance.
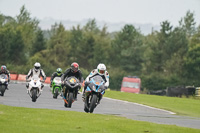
(37, 66)
(101, 68)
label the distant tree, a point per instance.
(39, 43)
(28, 28)
(178, 48)
(195, 38)
(160, 47)
(5, 20)
(12, 46)
(76, 41)
(128, 50)
(91, 26)
(188, 23)
(192, 61)
(102, 48)
(59, 47)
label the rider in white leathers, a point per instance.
(101, 70)
(36, 71)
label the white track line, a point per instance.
(142, 105)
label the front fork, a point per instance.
(88, 96)
(29, 92)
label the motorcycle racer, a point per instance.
(5, 71)
(36, 71)
(73, 71)
(101, 70)
(58, 73)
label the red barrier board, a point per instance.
(21, 77)
(13, 76)
(48, 80)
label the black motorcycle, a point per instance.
(3, 83)
(70, 90)
(93, 93)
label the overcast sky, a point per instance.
(129, 11)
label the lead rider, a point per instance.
(101, 70)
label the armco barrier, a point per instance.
(21, 77)
(13, 76)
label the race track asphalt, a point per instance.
(17, 96)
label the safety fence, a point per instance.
(22, 77)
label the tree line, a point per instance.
(168, 57)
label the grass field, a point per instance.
(181, 106)
(26, 120)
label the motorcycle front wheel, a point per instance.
(93, 102)
(3, 88)
(55, 93)
(70, 99)
(34, 95)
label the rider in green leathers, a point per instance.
(58, 73)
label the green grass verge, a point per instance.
(27, 120)
(181, 106)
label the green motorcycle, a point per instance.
(56, 87)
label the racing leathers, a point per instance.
(69, 73)
(8, 74)
(93, 73)
(55, 74)
(39, 73)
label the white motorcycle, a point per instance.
(3, 83)
(34, 88)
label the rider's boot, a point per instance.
(83, 95)
(62, 91)
(76, 93)
(41, 88)
(27, 86)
